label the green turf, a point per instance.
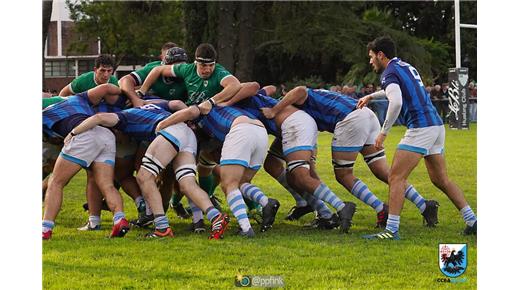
(304, 258)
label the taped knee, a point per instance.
(185, 171)
(375, 156)
(298, 163)
(343, 164)
(152, 164)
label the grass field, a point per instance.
(305, 258)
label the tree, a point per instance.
(127, 29)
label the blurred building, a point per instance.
(62, 62)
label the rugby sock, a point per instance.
(282, 179)
(160, 221)
(412, 195)
(238, 207)
(254, 193)
(392, 224)
(319, 206)
(47, 226)
(468, 215)
(118, 216)
(361, 191)
(212, 213)
(324, 193)
(196, 212)
(94, 220)
(207, 183)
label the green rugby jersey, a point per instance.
(200, 89)
(86, 82)
(167, 88)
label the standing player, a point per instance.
(354, 132)
(94, 149)
(423, 139)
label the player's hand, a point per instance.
(380, 140)
(205, 107)
(138, 103)
(67, 139)
(161, 125)
(363, 101)
(268, 112)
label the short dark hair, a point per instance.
(385, 44)
(168, 45)
(206, 51)
(104, 60)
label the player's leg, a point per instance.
(63, 171)
(94, 201)
(159, 153)
(274, 165)
(230, 177)
(184, 165)
(436, 165)
(104, 177)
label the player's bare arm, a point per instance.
(231, 86)
(155, 73)
(366, 99)
(247, 90)
(127, 85)
(269, 90)
(103, 119)
(189, 113)
(66, 91)
(297, 96)
(108, 92)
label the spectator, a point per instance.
(472, 102)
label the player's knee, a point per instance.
(152, 165)
(144, 176)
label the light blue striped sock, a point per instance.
(412, 195)
(361, 191)
(319, 206)
(161, 222)
(254, 193)
(212, 213)
(47, 226)
(324, 193)
(392, 224)
(238, 207)
(197, 214)
(118, 216)
(468, 215)
(282, 179)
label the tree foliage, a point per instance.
(276, 42)
(128, 29)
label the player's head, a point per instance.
(165, 48)
(175, 55)
(381, 50)
(205, 59)
(103, 68)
